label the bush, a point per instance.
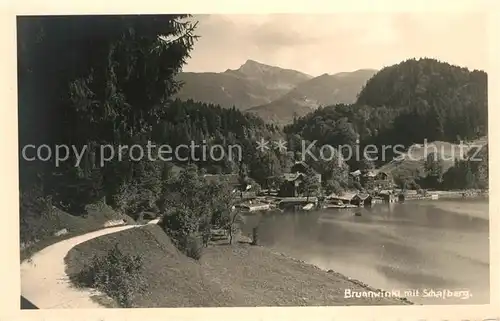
(35, 211)
(190, 245)
(116, 274)
(194, 248)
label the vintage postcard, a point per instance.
(255, 160)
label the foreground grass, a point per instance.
(239, 275)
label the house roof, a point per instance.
(362, 196)
(290, 177)
(355, 173)
(299, 163)
(347, 196)
(371, 174)
(304, 164)
(375, 172)
(385, 192)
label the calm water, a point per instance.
(424, 245)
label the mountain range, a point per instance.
(273, 93)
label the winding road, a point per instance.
(44, 282)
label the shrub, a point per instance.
(35, 211)
(116, 274)
(189, 244)
(193, 248)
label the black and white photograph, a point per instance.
(253, 160)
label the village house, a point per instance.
(302, 167)
(376, 179)
(356, 175)
(293, 182)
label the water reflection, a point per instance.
(405, 246)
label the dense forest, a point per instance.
(110, 80)
(90, 81)
(94, 80)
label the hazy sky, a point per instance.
(330, 43)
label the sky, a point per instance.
(338, 42)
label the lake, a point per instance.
(421, 246)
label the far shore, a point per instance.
(462, 208)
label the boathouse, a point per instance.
(344, 199)
(362, 199)
(388, 196)
(292, 202)
(253, 207)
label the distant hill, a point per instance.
(427, 80)
(325, 90)
(252, 84)
(430, 99)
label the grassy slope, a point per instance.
(418, 156)
(47, 224)
(241, 275)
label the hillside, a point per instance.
(415, 157)
(403, 105)
(325, 90)
(425, 79)
(252, 84)
(430, 100)
(226, 276)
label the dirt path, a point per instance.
(45, 283)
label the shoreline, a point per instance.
(441, 195)
(462, 208)
(367, 294)
(253, 275)
(470, 194)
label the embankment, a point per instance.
(226, 276)
(44, 229)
